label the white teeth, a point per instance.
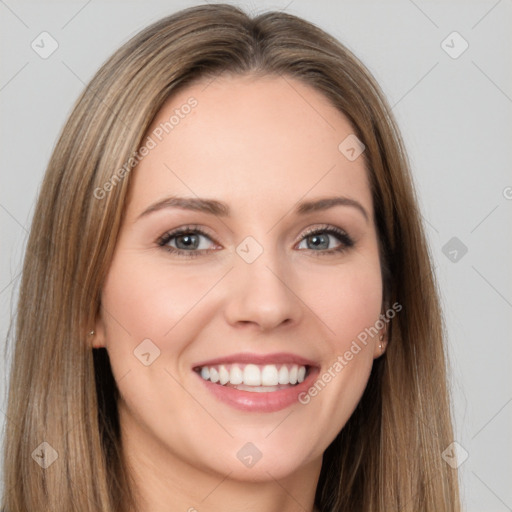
(214, 375)
(235, 375)
(223, 375)
(269, 375)
(266, 377)
(283, 377)
(293, 374)
(252, 375)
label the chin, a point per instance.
(261, 461)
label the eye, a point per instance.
(187, 241)
(326, 240)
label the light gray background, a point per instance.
(455, 116)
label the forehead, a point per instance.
(246, 138)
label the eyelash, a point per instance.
(186, 230)
(343, 237)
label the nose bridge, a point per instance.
(261, 286)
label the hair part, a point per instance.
(388, 456)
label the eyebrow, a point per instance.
(213, 207)
(329, 202)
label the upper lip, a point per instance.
(248, 358)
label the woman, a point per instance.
(227, 299)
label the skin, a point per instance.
(260, 145)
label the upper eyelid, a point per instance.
(204, 232)
(342, 234)
(323, 227)
(186, 229)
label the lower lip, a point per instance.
(261, 402)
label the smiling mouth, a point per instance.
(254, 377)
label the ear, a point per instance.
(380, 343)
(96, 337)
(381, 340)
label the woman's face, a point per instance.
(248, 252)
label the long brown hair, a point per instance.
(62, 392)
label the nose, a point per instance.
(261, 294)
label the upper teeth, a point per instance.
(254, 375)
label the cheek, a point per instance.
(348, 300)
(148, 301)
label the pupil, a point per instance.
(187, 241)
(320, 241)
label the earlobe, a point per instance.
(96, 337)
(380, 347)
